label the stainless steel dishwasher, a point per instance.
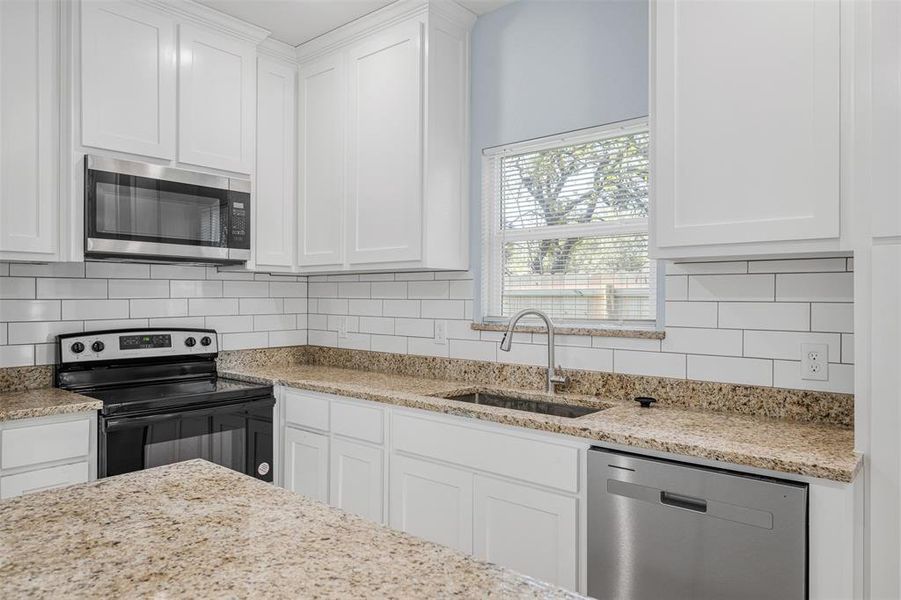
(662, 530)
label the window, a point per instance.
(565, 228)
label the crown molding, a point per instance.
(273, 48)
(188, 10)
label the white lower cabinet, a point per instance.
(47, 452)
(432, 501)
(526, 529)
(356, 479)
(306, 463)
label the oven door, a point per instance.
(135, 210)
(237, 436)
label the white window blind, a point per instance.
(565, 228)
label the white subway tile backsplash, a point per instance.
(244, 289)
(294, 337)
(244, 341)
(427, 347)
(624, 343)
(364, 307)
(64, 288)
(161, 307)
(787, 344)
(591, 359)
(659, 364)
(261, 306)
(401, 308)
(47, 270)
(116, 324)
(691, 314)
(3, 338)
(389, 289)
(417, 328)
(379, 325)
(396, 344)
(523, 354)
(16, 356)
(230, 324)
(354, 341)
(274, 322)
(333, 306)
(461, 289)
(13, 288)
(295, 305)
(177, 272)
(442, 309)
(186, 288)
(353, 289)
(787, 374)
(44, 354)
(323, 289)
(784, 316)
(461, 330)
(287, 289)
(731, 287)
(40, 332)
(721, 342)
(112, 270)
(138, 288)
(472, 350)
(428, 290)
(833, 316)
(316, 337)
(414, 276)
(216, 273)
(848, 348)
(74, 310)
(746, 371)
(676, 287)
(195, 322)
(377, 277)
(815, 287)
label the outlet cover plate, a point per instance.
(815, 362)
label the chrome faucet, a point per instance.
(507, 341)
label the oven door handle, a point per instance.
(125, 422)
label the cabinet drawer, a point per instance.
(544, 463)
(306, 410)
(32, 445)
(357, 421)
(42, 479)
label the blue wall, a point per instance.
(541, 67)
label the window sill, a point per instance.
(644, 334)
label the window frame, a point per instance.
(493, 239)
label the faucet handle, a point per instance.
(559, 379)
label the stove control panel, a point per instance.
(136, 343)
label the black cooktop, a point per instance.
(162, 396)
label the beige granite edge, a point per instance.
(644, 334)
(44, 402)
(602, 430)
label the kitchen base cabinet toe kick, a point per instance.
(519, 498)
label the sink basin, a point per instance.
(525, 404)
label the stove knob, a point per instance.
(77, 348)
(189, 342)
(98, 346)
(205, 341)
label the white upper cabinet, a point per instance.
(384, 158)
(29, 130)
(275, 161)
(321, 125)
(383, 135)
(216, 106)
(745, 126)
(128, 79)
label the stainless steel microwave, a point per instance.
(143, 212)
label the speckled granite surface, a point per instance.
(800, 405)
(644, 334)
(43, 402)
(25, 378)
(196, 530)
(811, 449)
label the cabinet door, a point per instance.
(127, 79)
(356, 483)
(42, 479)
(306, 463)
(385, 147)
(528, 530)
(432, 502)
(745, 118)
(275, 165)
(29, 130)
(216, 100)
(321, 125)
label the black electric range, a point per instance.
(163, 401)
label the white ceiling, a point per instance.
(299, 21)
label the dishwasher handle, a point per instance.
(682, 501)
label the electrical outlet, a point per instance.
(815, 362)
(441, 332)
(342, 327)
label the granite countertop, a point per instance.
(810, 449)
(197, 530)
(43, 402)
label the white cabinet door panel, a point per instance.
(306, 463)
(385, 146)
(321, 125)
(525, 529)
(216, 100)
(356, 479)
(275, 199)
(127, 79)
(745, 118)
(29, 130)
(44, 442)
(42, 479)
(432, 502)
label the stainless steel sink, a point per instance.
(525, 404)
